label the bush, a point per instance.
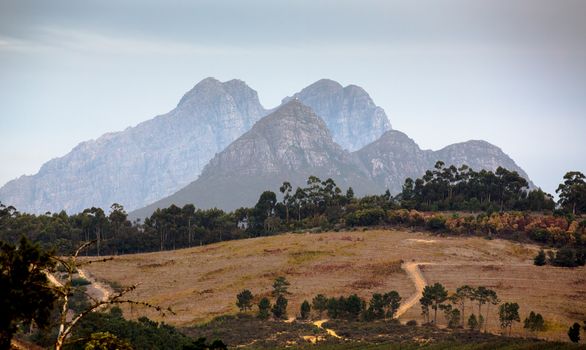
(366, 217)
(565, 257)
(436, 223)
(539, 259)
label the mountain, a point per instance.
(392, 158)
(289, 144)
(395, 156)
(349, 112)
(144, 163)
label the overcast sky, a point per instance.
(509, 72)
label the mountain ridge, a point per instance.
(273, 150)
(161, 156)
(141, 164)
(286, 145)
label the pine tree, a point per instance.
(539, 259)
(280, 308)
(574, 333)
(305, 310)
(264, 305)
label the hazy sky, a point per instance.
(509, 72)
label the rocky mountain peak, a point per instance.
(208, 86)
(144, 163)
(290, 144)
(349, 112)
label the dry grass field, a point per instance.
(201, 283)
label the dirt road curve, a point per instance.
(96, 289)
(412, 269)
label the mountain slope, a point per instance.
(349, 112)
(141, 164)
(290, 144)
(392, 158)
(395, 157)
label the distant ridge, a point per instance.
(144, 163)
(395, 157)
(293, 143)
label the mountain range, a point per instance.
(220, 148)
(293, 142)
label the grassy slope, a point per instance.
(201, 283)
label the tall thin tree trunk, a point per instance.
(486, 319)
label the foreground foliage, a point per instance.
(25, 295)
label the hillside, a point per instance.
(201, 283)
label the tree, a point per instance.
(286, 191)
(472, 322)
(280, 308)
(377, 306)
(482, 296)
(353, 306)
(66, 289)
(462, 294)
(509, 313)
(565, 257)
(106, 341)
(453, 316)
(572, 192)
(305, 310)
(534, 322)
(25, 293)
(425, 302)
(491, 299)
(539, 259)
(264, 305)
(202, 344)
(393, 302)
(574, 333)
(244, 300)
(280, 286)
(264, 208)
(435, 295)
(320, 303)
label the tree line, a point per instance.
(352, 307)
(451, 188)
(322, 205)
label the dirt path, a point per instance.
(96, 289)
(52, 279)
(319, 324)
(412, 269)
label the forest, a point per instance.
(446, 200)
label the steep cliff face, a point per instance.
(142, 164)
(290, 144)
(349, 112)
(395, 157)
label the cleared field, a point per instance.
(201, 283)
